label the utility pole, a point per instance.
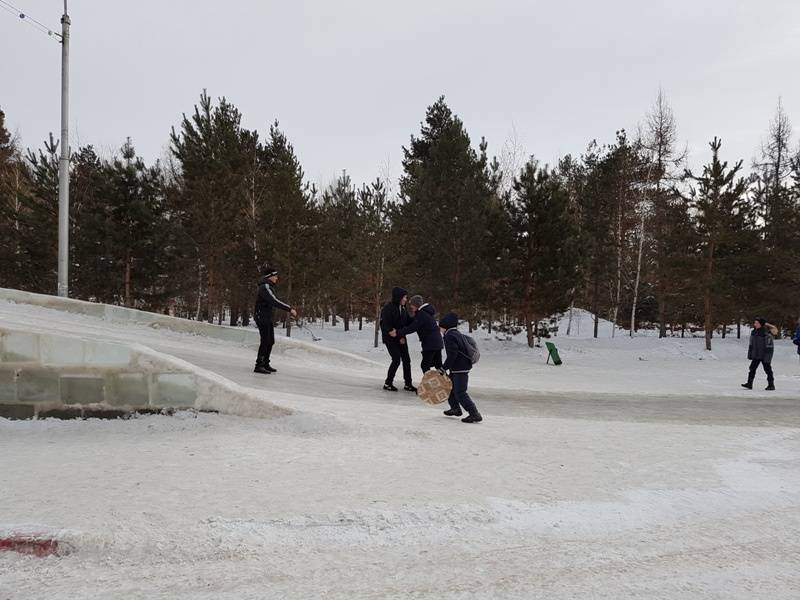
(63, 164)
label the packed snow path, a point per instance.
(363, 494)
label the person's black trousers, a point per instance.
(767, 369)
(459, 396)
(267, 332)
(399, 354)
(431, 358)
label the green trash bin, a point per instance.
(552, 352)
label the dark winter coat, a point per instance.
(457, 358)
(394, 316)
(426, 327)
(267, 302)
(796, 338)
(762, 345)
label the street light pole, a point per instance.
(63, 164)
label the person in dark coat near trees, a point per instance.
(393, 316)
(760, 351)
(425, 326)
(266, 303)
(458, 364)
(796, 337)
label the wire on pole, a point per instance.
(29, 20)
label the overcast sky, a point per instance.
(349, 80)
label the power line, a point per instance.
(35, 23)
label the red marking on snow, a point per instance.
(28, 544)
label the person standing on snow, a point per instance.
(266, 303)
(459, 365)
(796, 337)
(760, 351)
(424, 324)
(394, 315)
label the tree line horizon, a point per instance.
(624, 229)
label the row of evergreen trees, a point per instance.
(623, 230)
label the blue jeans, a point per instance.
(459, 395)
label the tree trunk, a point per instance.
(595, 299)
(662, 311)
(638, 275)
(378, 289)
(739, 329)
(707, 303)
(198, 314)
(360, 322)
(128, 266)
(569, 321)
(529, 331)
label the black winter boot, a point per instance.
(410, 388)
(261, 369)
(748, 385)
(770, 387)
(453, 412)
(473, 418)
(389, 387)
(271, 369)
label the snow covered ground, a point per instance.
(638, 469)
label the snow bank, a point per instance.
(121, 315)
(44, 372)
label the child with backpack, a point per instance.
(462, 353)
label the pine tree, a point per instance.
(212, 154)
(445, 195)
(777, 206)
(136, 211)
(284, 216)
(660, 142)
(544, 258)
(14, 183)
(596, 221)
(376, 209)
(38, 219)
(719, 212)
(94, 271)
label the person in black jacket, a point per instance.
(266, 303)
(394, 316)
(760, 351)
(459, 365)
(424, 324)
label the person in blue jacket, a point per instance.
(458, 364)
(425, 326)
(796, 337)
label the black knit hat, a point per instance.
(762, 320)
(449, 321)
(267, 271)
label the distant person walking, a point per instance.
(796, 337)
(425, 326)
(266, 303)
(760, 351)
(394, 316)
